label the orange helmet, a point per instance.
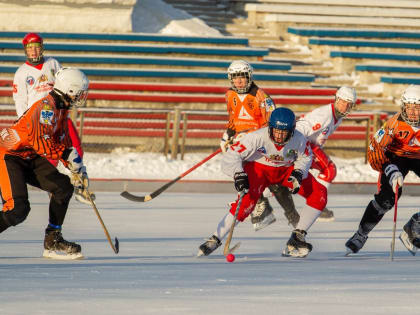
(31, 38)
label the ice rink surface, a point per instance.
(156, 271)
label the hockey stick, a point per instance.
(116, 247)
(227, 250)
(395, 223)
(157, 192)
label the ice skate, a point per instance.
(355, 243)
(262, 216)
(56, 247)
(410, 236)
(209, 246)
(80, 195)
(326, 216)
(297, 246)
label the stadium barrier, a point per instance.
(107, 128)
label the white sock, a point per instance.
(267, 193)
(308, 215)
(224, 226)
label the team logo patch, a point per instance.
(379, 135)
(269, 104)
(47, 105)
(46, 117)
(325, 131)
(292, 154)
(30, 80)
(43, 78)
(262, 150)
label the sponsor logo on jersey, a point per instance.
(30, 80)
(379, 135)
(43, 78)
(243, 114)
(275, 157)
(414, 142)
(46, 117)
(262, 150)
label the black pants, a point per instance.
(16, 173)
(384, 200)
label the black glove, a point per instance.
(296, 179)
(241, 181)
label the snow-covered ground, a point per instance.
(156, 271)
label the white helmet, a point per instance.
(240, 68)
(347, 94)
(411, 95)
(72, 82)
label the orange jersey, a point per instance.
(397, 137)
(41, 130)
(251, 113)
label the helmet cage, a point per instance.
(240, 68)
(410, 96)
(31, 40)
(72, 85)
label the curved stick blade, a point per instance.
(132, 197)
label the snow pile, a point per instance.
(132, 165)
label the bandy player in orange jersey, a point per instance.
(393, 152)
(34, 80)
(41, 133)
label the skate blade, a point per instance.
(410, 247)
(349, 252)
(298, 253)
(51, 254)
(264, 223)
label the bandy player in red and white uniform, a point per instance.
(277, 154)
(34, 80)
(317, 126)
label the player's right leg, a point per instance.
(375, 210)
(257, 183)
(48, 178)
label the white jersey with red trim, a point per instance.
(319, 124)
(257, 146)
(31, 83)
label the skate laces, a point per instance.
(300, 235)
(211, 242)
(359, 237)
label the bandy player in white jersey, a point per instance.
(277, 154)
(35, 78)
(317, 126)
